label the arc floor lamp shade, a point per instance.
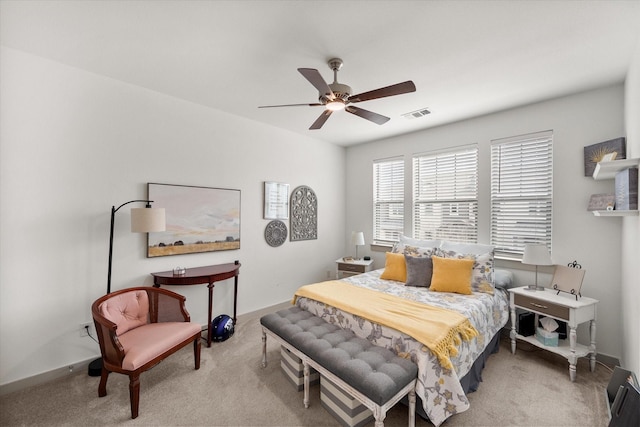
(147, 220)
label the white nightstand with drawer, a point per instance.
(351, 268)
(563, 307)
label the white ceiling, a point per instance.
(467, 58)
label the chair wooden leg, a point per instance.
(196, 352)
(102, 387)
(134, 394)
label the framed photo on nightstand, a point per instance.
(568, 279)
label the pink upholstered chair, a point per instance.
(137, 328)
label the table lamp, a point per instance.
(357, 239)
(536, 254)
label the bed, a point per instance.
(441, 386)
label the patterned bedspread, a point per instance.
(440, 389)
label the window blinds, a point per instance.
(521, 192)
(445, 195)
(388, 200)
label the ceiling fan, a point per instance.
(337, 96)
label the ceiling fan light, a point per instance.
(336, 105)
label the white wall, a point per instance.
(631, 229)
(73, 144)
(578, 120)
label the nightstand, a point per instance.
(351, 268)
(563, 307)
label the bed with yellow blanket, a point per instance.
(444, 333)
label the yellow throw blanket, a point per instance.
(439, 329)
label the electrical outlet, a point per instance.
(85, 328)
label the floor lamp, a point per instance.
(143, 220)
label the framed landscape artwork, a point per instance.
(199, 219)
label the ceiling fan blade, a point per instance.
(317, 104)
(320, 120)
(397, 89)
(369, 115)
(317, 81)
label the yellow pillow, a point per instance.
(452, 275)
(395, 268)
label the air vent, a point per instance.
(415, 114)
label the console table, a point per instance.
(201, 275)
(559, 306)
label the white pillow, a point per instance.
(466, 248)
(420, 243)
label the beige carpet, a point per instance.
(530, 388)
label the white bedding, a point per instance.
(440, 389)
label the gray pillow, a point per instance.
(419, 271)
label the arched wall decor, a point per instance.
(304, 214)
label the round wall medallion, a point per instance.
(276, 233)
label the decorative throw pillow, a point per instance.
(451, 275)
(395, 267)
(482, 279)
(419, 271)
(416, 251)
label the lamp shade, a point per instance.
(536, 255)
(146, 220)
(357, 238)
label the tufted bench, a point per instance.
(373, 375)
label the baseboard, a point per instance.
(44, 377)
(83, 365)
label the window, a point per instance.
(445, 195)
(388, 200)
(521, 192)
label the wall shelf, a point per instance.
(608, 170)
(616, 213)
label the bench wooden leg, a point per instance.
(264, 349)
(379, 415)
(412, 407)
(307, 372)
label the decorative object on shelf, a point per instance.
(143, 220)
(601, 202)
(626, 185)
(595, 153)
(304, 214)
(200, 219)
(357, 239)
(609, 157)
(179, 271)
(275, 233)
(276, 200)
(568, 279)
(536, 254)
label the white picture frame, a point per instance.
(276, 200)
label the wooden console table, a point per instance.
(201, 275)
